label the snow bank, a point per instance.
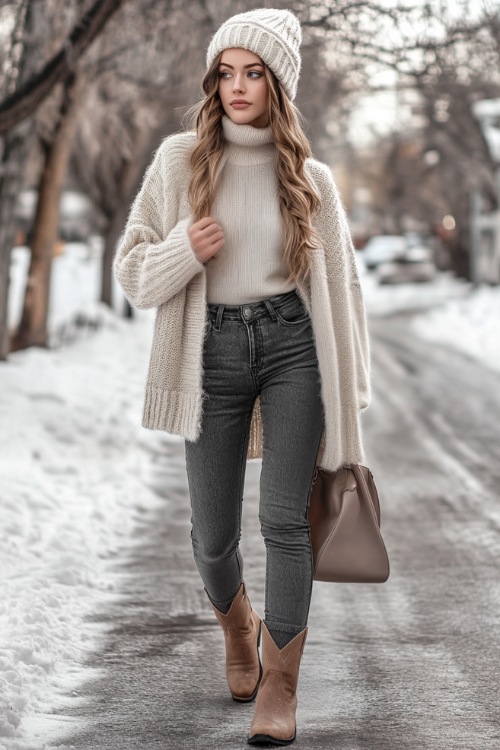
(75, 289)
(390, 299)
(73, 482)
(470, 324)
(446, 311)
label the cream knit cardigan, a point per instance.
(156, 267)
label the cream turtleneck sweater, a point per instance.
(250, 266)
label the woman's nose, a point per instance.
(238, 84)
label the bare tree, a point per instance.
(32, 330)
(55, 142)
(26, 86)
(426, 170)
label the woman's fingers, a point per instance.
(206, 237)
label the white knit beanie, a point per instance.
(274, 35)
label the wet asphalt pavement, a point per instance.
(412, 663)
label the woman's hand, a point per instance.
(206, 237)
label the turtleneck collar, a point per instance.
(246, 145)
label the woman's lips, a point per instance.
(240, 105)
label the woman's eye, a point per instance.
(223, 73)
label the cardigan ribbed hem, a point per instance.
(172, 411)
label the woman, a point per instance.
(239, 238)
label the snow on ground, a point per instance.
(73, 484)
(388, 299)
(75, 286)
(74, 464)
(447, 311)
(471, 324)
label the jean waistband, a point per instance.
(253, 310)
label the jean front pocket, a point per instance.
(293, 315)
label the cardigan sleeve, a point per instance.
(335, 228)
(154, 259)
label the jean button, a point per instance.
(247, 312)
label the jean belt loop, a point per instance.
(218, 319)
(271, 310)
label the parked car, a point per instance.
(418, 239)
(382, 249)
(413, 264)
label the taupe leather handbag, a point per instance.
(344, 521)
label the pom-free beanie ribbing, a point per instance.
(272, 34)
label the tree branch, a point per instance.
(23, 102)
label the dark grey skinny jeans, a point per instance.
(264, 348)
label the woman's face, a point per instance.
(241, 77)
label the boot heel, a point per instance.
(252, 697)
(243, 665)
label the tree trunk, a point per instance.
(15, 146)
(15, 150)
(111, 237)
(32, 330)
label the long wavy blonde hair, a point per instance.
(297, 199)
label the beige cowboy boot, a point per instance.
(241, 626)
(274, 718)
